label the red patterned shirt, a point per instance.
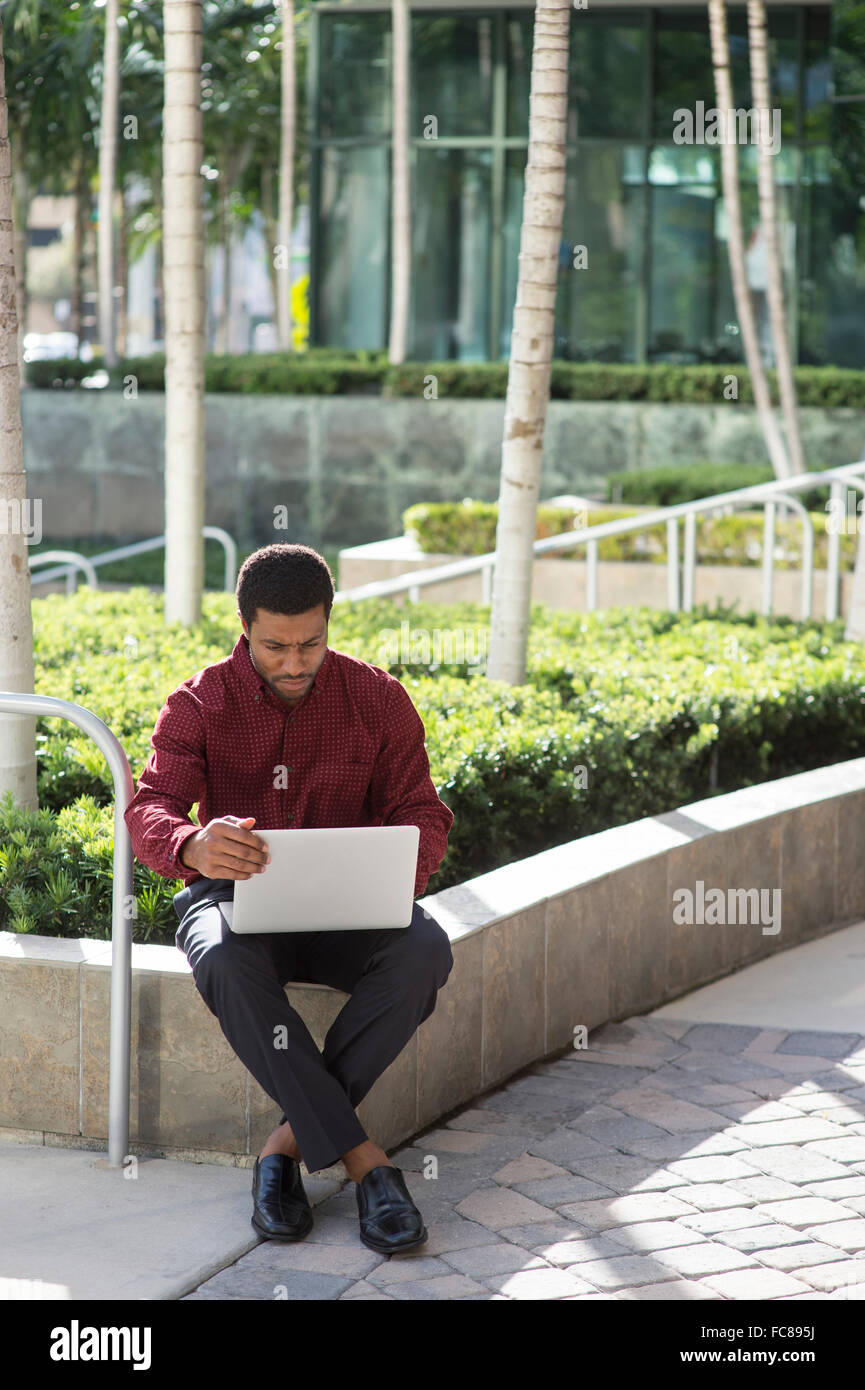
(351, 752)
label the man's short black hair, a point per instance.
(286, 579)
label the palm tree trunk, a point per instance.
(757, 46)
(183, 241)
(286, 175)
(21, 199)
(107, 173)
(400, 215)
(122, 271)
(81, 193)
(271, 234)
(531, 344)
(17, 733)
(736, 245)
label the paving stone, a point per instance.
(529, 1168)
(839, 1187)
(491, 1121)
(761, 1188)
(856, 1204)
(694, 1145)
(567, 1146)
(708, 1257)
(670, 1026)
(707, 1196)
(713, 1168)
(756, 1284)
(275, 1259)
(822, 1100)
(715, 1094)
(677, 1289)
(727, 1219)
(504, 1258)
(760, 1237)
(646, 1236)
(803, 1067)
(719, 1037)
(620, 1211)
(536, 1235)
(624, 1173)
(798, 1256)
(798, 1131)
(767, 1040)
(365, 1292)
(665, 1111)
(453, 1234)
(618, 1131)
(499, 1207)
(847, 1235)
(401, 1270)
(839, 1077)
(622, 1272)
(553, 1192)
(829, 1277)
(849, 1150)
(594, 1247)
(248, 1285)
(538, 1284)
(856, 1291)
(449, 1286)
(800, 1212)
(788, 1161)
(757, 1111)
(333, 1230)
(822, 1044)
(453, 1141)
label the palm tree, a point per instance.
(757, 48)
(736, 245)
(400, 180)
(17, 741)
(288, 108)
(183, 243)
(531, 343)
(107, 171)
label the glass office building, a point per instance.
(651, 282)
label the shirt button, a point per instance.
(290, 817)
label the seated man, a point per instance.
(285, 733)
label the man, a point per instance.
(287, 733)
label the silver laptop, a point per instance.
(330, 880)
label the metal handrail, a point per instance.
(122, 903)
(214, 533)
(76, 560)
(761, 493)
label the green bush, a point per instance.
(330, 371)
(659, 709)
(469, 528)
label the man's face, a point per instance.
(288, 651)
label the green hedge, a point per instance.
(329, 371)
(667, 487)
(469, 528)
(660, 709)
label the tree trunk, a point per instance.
(220, 337)
(122, 271)
(736, 245)
(286, 176)
(21, 200)
(271, 233)
(183, 243)
(757, 44)
(77, 307)
(17, 733)
(400, 178)
(107, 176)
(531, 344)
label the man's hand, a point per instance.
(226, 848)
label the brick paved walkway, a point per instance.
(665, 1161)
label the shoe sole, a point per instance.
(382, 1249)
(269, 1235)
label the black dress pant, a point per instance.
(392, 976)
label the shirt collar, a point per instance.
(241, 660)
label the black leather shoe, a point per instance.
(282, 1210)
(389, 1219)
